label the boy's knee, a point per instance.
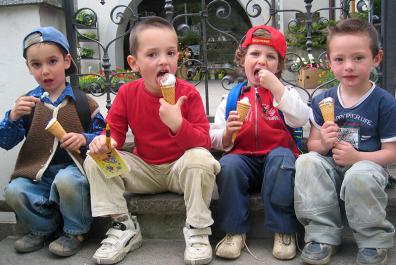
(65, 179)
(14, 193)
(281, 151)
(202, 158)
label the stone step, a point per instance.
(162, 216)
(159, 251)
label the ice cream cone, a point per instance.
(168, 85)
(243, 110)
(327, 108)
(55, 128)
(168, 93)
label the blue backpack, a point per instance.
(296, 133)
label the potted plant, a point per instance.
(88, 36)
(86, 52)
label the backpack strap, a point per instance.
(233, 98)
(81, 106)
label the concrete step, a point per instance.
(162, 216)
(159, 251)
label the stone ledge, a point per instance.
(56, 3)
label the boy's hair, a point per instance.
(262, 35)
(49, 35)
(355, 26)
(151, 22)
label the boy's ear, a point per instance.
(378, 57)
(68, 60)
(27, 64)
(132, 63)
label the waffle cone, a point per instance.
(327, 110)
(168, 93)
(243, 110)
(56, 129)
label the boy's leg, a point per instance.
(194, 175)
(315, 199)
(234, 182)
(70, 190)
(107, 199)
(29, 200)
(278, 195)
(363, 191)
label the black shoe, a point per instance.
(66, 245)
(29, 243)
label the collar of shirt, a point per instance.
(67, 92)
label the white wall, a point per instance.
(15, 80)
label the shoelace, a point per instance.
(262, 260)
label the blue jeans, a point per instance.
(272, 175)
(62, 193)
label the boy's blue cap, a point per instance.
(48, 34)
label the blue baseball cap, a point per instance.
(48, 34)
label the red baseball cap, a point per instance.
(277, 40)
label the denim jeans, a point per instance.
(272, 175)
(321, 183)
(62, 194)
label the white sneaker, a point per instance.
(284, 246)
(198, 250)
(122, 237)
(230, 246)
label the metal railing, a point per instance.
(220, 9)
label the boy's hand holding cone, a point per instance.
(56, 129)
(167, 85)
(243, 107)
(327, 108)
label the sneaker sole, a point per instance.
(229, 256)
(198, 261)
(137, 243)
(384, 262)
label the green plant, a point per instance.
(91, 82)
(190, 38)
(85, 18)
(297, 35)
(326, 75)
(86, 52)
(89, 35)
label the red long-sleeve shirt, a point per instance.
(136, 107)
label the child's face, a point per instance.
(156, 55)
(47, 64)
(351, 60)
(259, 57)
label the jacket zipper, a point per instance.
(256, 116)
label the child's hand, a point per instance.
(171, 115)
(233, 124)
(344, 154)
(271, 82)
(73, 141)
(99, 145)
(329, 134)
(23, 106)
